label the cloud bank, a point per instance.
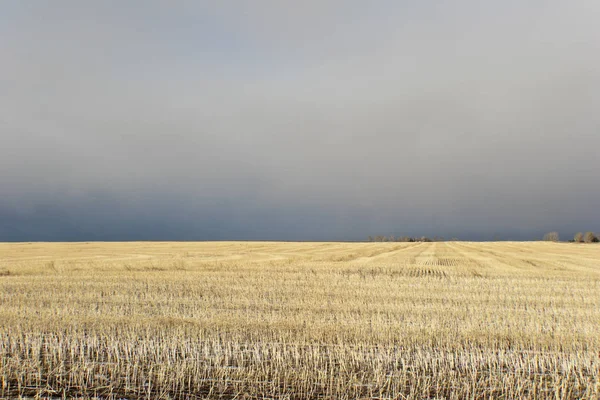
(326, 120)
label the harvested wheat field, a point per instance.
(454, 320)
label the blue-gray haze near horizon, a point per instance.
(314, 120)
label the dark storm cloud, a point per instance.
(275, 120)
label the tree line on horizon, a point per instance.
(392, 238)
(580, 237)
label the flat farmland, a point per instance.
(185, 320)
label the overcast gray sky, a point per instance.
(313, 120)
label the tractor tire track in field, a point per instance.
(386, 254)
(486, 261)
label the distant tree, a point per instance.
(370, 238)
(589, 237)
(551, 237)
(578, 237)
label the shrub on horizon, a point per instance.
(589, 237)
(551, 237)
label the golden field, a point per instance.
(456, 320)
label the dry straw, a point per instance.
(300, 320)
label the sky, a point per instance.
(287, 120)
